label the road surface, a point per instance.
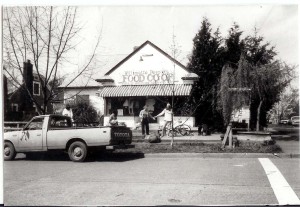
(153, 180)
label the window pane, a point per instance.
(60, 122)
(36, 88)
(36, 124)
(82, 99)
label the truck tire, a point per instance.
(9, 151)
(77, 151)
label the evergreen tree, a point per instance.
(207, 62)
(259, 54)
(234, 46)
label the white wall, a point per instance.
(96, 101)
(155, 65)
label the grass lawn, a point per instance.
(244, 147)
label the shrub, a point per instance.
(84, 113)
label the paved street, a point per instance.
(176, 179)
(289, 147)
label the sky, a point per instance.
(123, 27)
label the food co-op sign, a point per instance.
(145, 77)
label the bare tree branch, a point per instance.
(44, 35)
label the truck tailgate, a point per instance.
(120, 135)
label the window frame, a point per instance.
(15, 105)
(39, 88)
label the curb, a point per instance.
(220, 155)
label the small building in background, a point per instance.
(19, 105)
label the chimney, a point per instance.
(28, 80)
(28, 75)
(5, 96)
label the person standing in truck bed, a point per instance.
(68, 112)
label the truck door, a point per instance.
(32, 135)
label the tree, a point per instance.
(257, 52)
(287, 106)
(268, 81)
(265, 81)
(252, 55)
(225, 100)
(84, 113)
(206, 61)
(234, 46)
(44, 35)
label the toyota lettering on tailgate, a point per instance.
(121, 134)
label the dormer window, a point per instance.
(36, 88)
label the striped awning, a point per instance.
(146, 90)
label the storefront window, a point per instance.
(131, 106)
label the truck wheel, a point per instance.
(77, 151)
(9, 151)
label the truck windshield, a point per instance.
(60, 122)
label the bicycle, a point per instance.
(179, 129)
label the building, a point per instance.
(19, 105)
(75, 94)
(147, 76)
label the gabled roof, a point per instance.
(138, 49)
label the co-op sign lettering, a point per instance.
(147, 76)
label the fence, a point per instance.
(13, 125)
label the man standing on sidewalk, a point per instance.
(145, 115)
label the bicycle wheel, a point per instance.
(171, 132)
(184, 129)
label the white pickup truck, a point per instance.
(55, 132)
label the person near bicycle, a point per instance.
(145, 116)
(168, 117)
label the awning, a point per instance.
(146, 90)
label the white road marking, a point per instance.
(282, 190)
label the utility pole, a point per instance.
(174, 54)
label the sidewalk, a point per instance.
(197, 138)
(193, 137)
